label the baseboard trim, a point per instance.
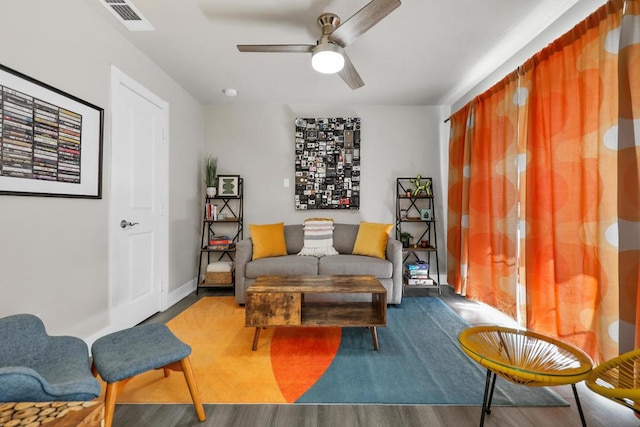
(180, 293)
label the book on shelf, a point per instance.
(421, 281)
(418, 265)
(220, 242)
(417, 274)
(211, 211)
(221, 247)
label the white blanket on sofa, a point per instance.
(318, 237)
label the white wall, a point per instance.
(257, 142)
(568, 20)
(53, 251)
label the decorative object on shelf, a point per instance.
(426, 214)
(52, 140)
(421, 187)
(327, 163)
(424, 244)
(403, 214)
(228, 185)
(219, 273)
(210, 175)
(405, 237)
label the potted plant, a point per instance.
(404, 238)
(211, 175)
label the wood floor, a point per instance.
(599, 412)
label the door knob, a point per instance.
(124, 223)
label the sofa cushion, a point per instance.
(344, 236)
(355, 265)
(318, 237)
(372, 239)
(294, 238)
(285, 265)
(268, 240)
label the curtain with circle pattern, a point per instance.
(570, 198)
(565, 179)
(628, 148)
(485, 224)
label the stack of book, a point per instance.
(221, 243)
(417, 273)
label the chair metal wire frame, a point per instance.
(618, 379)
(524, 357)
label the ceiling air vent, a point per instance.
(128, 14)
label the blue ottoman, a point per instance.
(120, 356)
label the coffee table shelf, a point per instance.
(342, 314)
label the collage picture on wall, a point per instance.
(327, 163)
(50, 141)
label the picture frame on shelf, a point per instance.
(228, 185)
(426, 214)
(52, 140)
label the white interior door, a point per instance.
(138, 224)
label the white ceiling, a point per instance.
(426, 52)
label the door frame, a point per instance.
(119, 78)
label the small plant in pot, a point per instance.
(404, 238)
(211, 175)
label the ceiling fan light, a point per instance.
(327, 58)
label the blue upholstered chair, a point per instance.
(36, 367)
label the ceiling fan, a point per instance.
(328, 53)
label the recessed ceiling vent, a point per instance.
(128, 14)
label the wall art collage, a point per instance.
(327, 159)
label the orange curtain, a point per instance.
(628, 147)
(570, 204)
(458, 199)
(552, 154)
(483, 197)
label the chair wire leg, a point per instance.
(493, 386)
(575, 393)
(484, 399)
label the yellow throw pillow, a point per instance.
(268, 240)
(372, 239)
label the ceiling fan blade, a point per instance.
(277, 48)
(350, 75)
(362, 21)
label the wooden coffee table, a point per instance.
(273, 301)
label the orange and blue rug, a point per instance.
(419, 362)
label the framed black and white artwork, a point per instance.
(327, 163)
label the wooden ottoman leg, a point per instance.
(185, 364)
(113, 389)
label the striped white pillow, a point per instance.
(318, 237)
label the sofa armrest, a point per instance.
(244, 253)
(394, 254)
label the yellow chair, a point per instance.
(619, 380)
(524, 357)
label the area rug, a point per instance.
(419, 362)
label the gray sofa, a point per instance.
(388, 271)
